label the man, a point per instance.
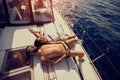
(55, 52)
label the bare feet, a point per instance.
(79, 40)
(81, 60)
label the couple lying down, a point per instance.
(55, 50)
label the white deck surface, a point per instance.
(13, 37)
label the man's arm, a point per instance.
(52, 62)
(60, 59)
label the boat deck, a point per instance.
(69, 68)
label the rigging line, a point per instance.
(101, 51)
(97, 58)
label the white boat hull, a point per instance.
(68, 69)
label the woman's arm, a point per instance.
(46, 61)
(35, 33)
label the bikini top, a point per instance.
(51, 37)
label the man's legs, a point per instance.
(80, 54)
(69, 37)
(71, 42)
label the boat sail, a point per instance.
(21, 15)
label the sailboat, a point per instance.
(19, 15)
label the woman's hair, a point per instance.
(37, 43)
(27, 49)
(27, 55)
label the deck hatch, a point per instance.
(15, 67)
(18, 76)
(15, 59)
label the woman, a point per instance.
(42, 38)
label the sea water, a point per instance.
(97, 22)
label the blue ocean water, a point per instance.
(97, 22)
